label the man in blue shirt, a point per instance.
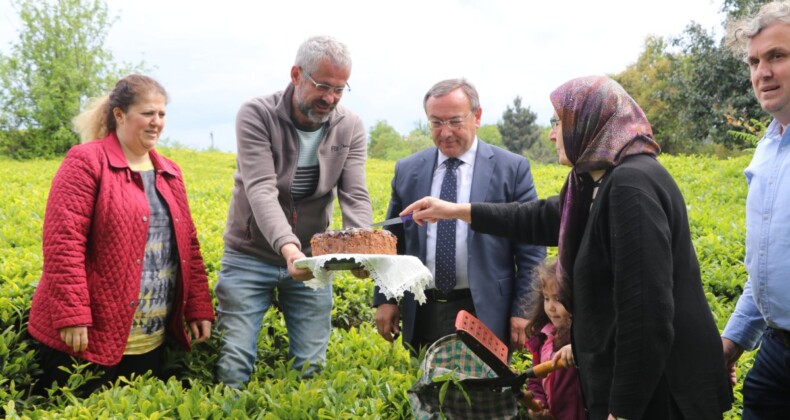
(762, 314)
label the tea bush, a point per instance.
(365, 376)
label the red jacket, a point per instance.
(95, 230)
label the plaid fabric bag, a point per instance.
(451, 365)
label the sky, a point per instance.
(211, 56)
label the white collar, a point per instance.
(468, 157)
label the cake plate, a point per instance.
(394, 274)
(342, 264)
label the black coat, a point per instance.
(643, 333)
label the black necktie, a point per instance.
(445, 231)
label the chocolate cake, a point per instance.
(354, 241)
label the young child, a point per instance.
(549, 339)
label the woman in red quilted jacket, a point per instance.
(122, 265)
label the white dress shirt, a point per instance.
(465, 172)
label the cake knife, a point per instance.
(394, 220)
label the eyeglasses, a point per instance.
(555, 121)
(323, 88)
(452, 123)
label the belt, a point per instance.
(435, 295)
(783, 336)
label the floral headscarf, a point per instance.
(601, 125)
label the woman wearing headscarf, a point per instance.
(643, 335)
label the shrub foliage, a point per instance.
(365, 377)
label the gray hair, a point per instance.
(317, 48)
(740, 32)
(446, 86)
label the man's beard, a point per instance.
(306, 110)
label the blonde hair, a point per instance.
(91, 124)
(97, 120)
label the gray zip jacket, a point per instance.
(262, 216)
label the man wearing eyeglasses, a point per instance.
(294, 147)
(485, 275)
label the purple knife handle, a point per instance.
(407, 217)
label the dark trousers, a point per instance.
(51, 360)
(766, 389)
(435, 320)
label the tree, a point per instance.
(543, 151)
(384, 140)
(419, 139)
(59, 63)
(709, 84)
(518, 128)
(490, 134)
(388, 144)
(741, 8)
(646, 81)
(693, 95)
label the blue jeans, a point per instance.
(245, 290)
(766, 389)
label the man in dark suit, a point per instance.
(485, 275)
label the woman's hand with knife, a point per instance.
(432, 209)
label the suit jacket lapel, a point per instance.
(481, 177)
(421, 179)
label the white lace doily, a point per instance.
(393, 274)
